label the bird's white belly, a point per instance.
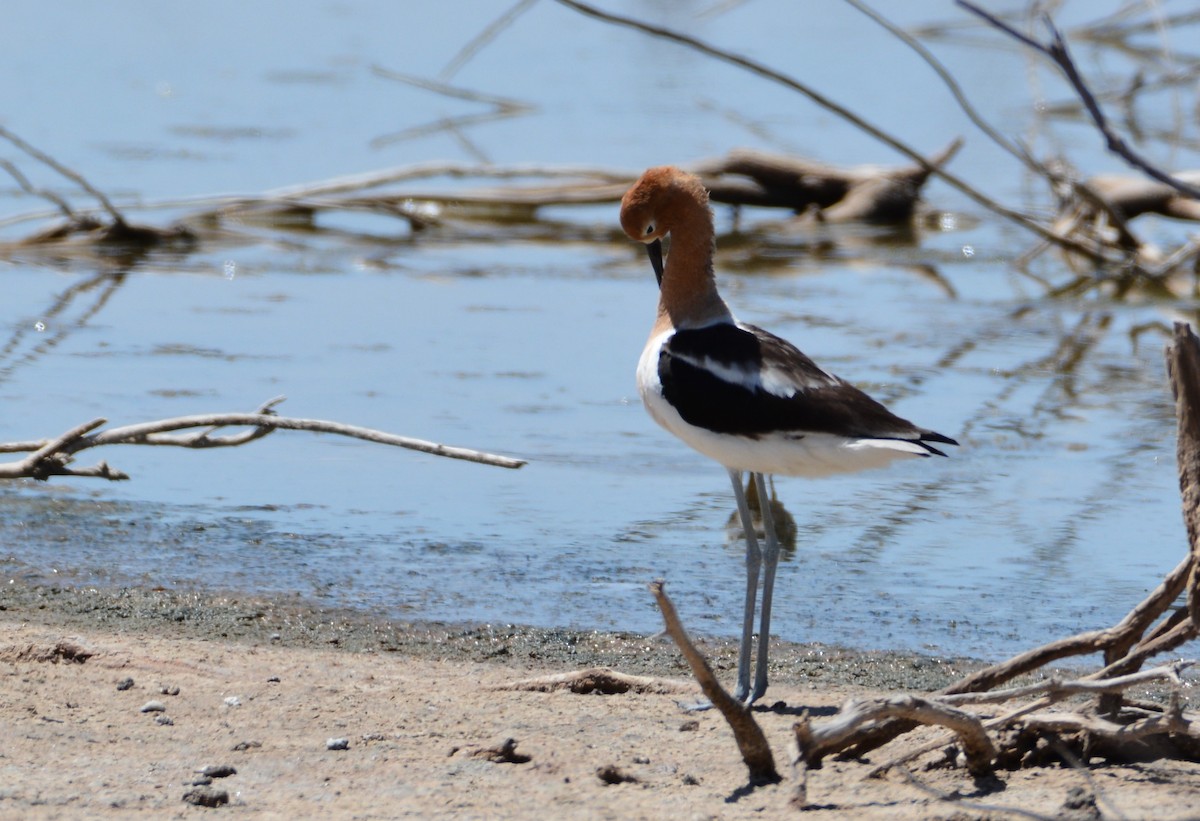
(784, 454)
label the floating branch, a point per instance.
(118, 232)
(53, 457)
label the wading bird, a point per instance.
(741, 395)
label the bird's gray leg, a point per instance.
(770, 555)
(753, 562)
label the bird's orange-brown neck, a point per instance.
(688, 295)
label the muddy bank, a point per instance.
(293, 622)
(162, 703)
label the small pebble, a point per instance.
(154, 707)
(171, 690)
(641, 759)
(164, 720)
(689, 726)
(273, 680)
(201, 781)
(337, 744)
(246, 745)
(233, 701)
(125, 684)
(206, 797)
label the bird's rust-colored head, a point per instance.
(663, 199)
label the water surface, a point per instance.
(1058, 513)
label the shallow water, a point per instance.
(1058, 513)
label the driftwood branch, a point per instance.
(52, 457)
(815, 740)
(868, 193)
(1057, 689)
(1048, 693)
(756, 752)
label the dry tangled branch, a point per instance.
(1058, 52)
(53, 457)
(1095, 213)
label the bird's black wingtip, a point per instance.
(928, 436)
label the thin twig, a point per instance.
(506, 104)
(28, 188)
(484, 37)
(70, 174)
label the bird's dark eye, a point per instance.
(649, 230)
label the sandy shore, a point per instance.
(262, 690)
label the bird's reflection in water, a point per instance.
(785, 525)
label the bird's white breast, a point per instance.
(786, 453)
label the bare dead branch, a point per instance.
(408, 173)
(861, 194)
(53, 454)
(750, 739)
(1183, 368)
(500, 108)
(1126, 632)
(1171, 722)
(1052, 692)
(1057, 689)
(74, 176)
(817, 739)
(866, 193)
(51, 457)
(447, 90)
(1059, 54)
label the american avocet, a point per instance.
(741, 395)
